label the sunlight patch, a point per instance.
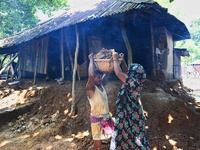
(40, 107)
(68, 139)
(170, 118)
(58, 137)
(35, 134)
(192, 138)
(155, 148)
(66, 111)
(172, 142)
(81, 134)
(49, 147)
(55, 115)
(4, 143)
(68, 95)
(25, 136)
(70, 99)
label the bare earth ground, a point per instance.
(37, 117)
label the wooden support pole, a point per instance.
(36, 62)
(46, 52)
(84, 46)
(69, 51)
(127, 42)
(62, 54)
(74, 72)
(152, 51)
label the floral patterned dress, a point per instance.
(130, 131)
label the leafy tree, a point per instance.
(193, 45)
(17, 15)
(192, 48)
(164, 3)
(195, 31)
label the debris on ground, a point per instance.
(37, 116)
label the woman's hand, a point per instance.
(121, 55)
(117, 69)
(91, 56)
(115, 55)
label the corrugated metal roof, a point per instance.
(98, 10)
(197, 62)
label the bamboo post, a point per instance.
(127, 43)
(62, 54)
(74, 72)
(152, 51)
(46, 42)
(69, 51)
(12, 71)
(84, 45)
(36, 62)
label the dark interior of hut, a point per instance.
(95, 35)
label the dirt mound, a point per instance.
(172, 122)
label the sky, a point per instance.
(188, 10)
(74, 4)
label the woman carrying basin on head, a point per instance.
(129, 131)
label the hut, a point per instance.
(196, 68)
(145, 32)
(178, 67)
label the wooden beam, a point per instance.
(4, 68)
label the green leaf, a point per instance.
(18, 15)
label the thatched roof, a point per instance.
(100, 9)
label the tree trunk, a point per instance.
(74, 73)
